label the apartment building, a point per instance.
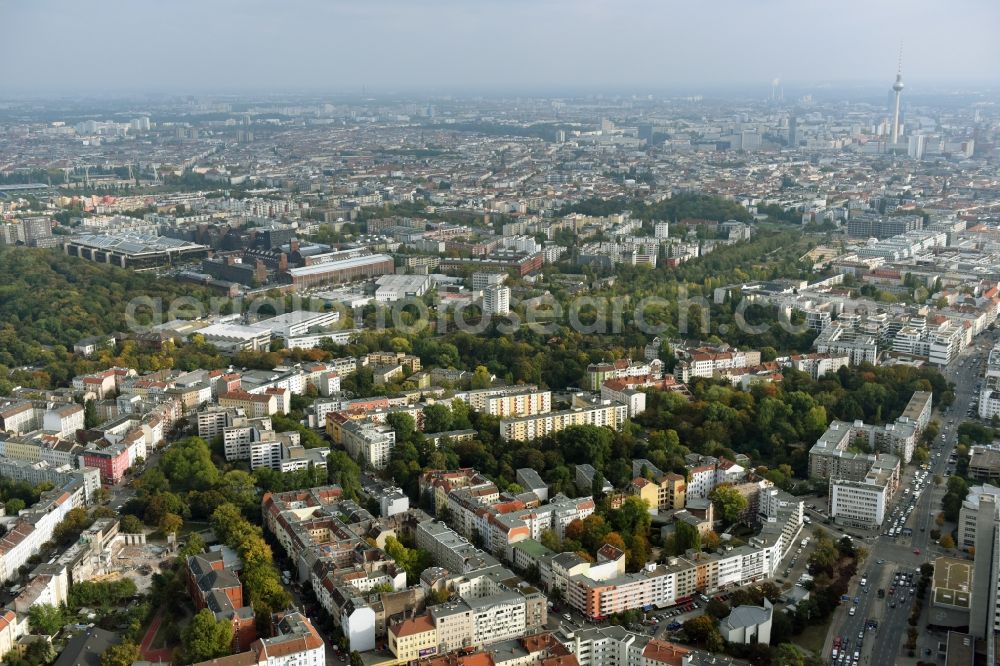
(478, 399)
(598, 373)
(861, 484)
(706, 361)
(984, 463)
(661, 491)
(214, 419)
(989, 394)
(282, 455)
(492, 603)
(409, 362)
(899, 438)
(984, 609)
(64, 420)
(39, 446)
(252, 404)
(525, 402)
(38, 472)
(817, 364)
(621, 391)
(34, 527)
(496, 300)
(327, 539)
(968, 515)
(840, 340)
(99, 385)
(442, 482)
(292, 381)
(295, 643)
(481, 281)
(414, 639)
(606, 413)
(18, 417)
(369, 443)
(858, 503)
(705, 473)
(600, 590)
(617, 646)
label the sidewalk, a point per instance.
(163, 655)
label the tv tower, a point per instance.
(897, 88)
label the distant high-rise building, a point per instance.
(984, 617)
(496, 300)
(916, 146)
(793, 130)
(35, 229)
(897, 89)
(661, 230)
(750, 139)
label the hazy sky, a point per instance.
(52, 46)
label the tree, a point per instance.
(171, 523)
(702, 630)
(46, 619)
(550, 540)
(717, 609)
(188, 465)
(728, 502)
(161, 504)
(90, 418)
(614, 539)
(239, 488)
(207, 638)
(411, 560)
(129, 524)
(788, 655)
(37, 652)
(123, 654)
(67, 531)
(597, 485)
(437, 418)
(686, 537)
(403, 424)
(193, 545)
(481, 377)
(947, 542)
(14, 506)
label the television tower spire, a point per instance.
(897, 88)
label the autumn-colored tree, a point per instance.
(701, 629)
(574, 531)
(614, 539)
